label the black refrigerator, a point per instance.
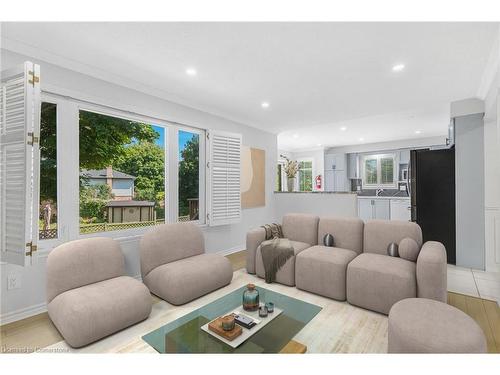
(432, 191)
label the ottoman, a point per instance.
(420, 325)
(322, 270)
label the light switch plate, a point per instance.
(13, 281)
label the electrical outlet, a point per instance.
(13, 281)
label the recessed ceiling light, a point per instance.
(319, 144)
(295, 136)
(418, 131)
(361, 139)
(264, 105)
(398, 67)
(191, 72)
(343, 128)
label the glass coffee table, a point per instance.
(184, 335)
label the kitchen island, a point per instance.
(345, 204)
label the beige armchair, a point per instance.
(175, 267)
(89, 296)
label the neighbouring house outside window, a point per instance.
(122, 173)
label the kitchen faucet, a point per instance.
(378, 192)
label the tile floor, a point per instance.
(474, 282)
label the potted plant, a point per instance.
(291, 168)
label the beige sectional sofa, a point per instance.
(357, 268)
(302, 231)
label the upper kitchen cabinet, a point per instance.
(353, 166)
(404, 156)
(335, 162)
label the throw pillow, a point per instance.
(328, 240)
(409, 249)
(392, 249)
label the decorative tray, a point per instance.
(246, 333)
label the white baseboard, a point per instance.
(23, 313)
(232, 250)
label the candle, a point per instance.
(228, 323)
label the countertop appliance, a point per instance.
(432, 191)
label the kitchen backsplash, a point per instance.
(385, 193)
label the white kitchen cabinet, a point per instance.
(404, 156)
(374, 208)
(335, 162)
(381, 209)
(340, 181)
(329, 180)
(335, 180)
(365, 209)
(401, 209)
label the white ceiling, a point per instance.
(314, 75)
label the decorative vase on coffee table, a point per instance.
(251, 298)
(290, 183)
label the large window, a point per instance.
(305, 175)
(122, 173)
(189, 176)
(47, 224)
(379, 171)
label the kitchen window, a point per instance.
(305, 175)
(379, 171)
(280, 176)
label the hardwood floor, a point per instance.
(238, 260)
(486, 313)
(38, 331)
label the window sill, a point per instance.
(126, 235)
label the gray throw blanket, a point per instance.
(276, 250)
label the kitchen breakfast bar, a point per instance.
(345, 204)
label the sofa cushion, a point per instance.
(168, 243)
(347, 232)
(82, 262)
(286, 274)
(187, 279)
(301, 228)
(322, 270)
(91, 312)
(408, 249)
(376, 282)
(378, 234)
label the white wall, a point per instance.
(491, 94)
(323, 204)
(30, 298)
(469, 190)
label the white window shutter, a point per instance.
(19, 162)
(224, 169)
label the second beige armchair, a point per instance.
(174, 265)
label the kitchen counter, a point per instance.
(315, 192)
(382, 197)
